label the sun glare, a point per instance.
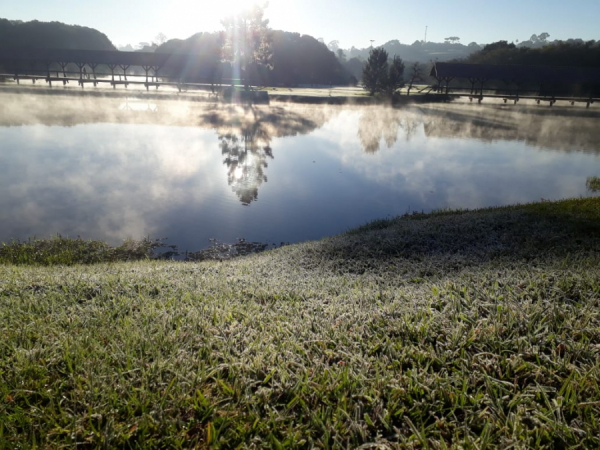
(207, 16)
(238, 173)
(221, 8)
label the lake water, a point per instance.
(109, 168)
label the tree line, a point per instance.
(278, 58)
(249, 50)
(34, 34)
(573, 52)
(294, 60)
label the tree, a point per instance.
(333, 46)
(543, 36)
(379, 76)
(341, 55)
(376, 71)
(495, 46)
(395, 77)
(355, 66)
(416, 74)
(160, 39)
(150, 48)
(452, 39)
(248, 41)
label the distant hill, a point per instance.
(302, 59)
(297, 59)
(205, 57)
(34, 34)
(419, 51)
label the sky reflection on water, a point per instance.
(274, 174)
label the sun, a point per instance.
(236, 6)
(224, 8)
(207, 16)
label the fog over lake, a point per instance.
(110, 168)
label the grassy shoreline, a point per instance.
(476, 329)
(302, 96)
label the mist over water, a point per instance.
(112, 168)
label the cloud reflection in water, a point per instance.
(110, 173)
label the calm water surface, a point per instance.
(110, 169)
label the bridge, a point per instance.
(95, 67)
(512, 83)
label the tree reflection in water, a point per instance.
(245, 135)
(246, 158)
(566, 129)
(384, 123)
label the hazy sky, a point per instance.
(352, 22)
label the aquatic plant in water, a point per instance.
(593, 184)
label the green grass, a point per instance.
(60, 250)
(473, 329)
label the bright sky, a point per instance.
(352, 22)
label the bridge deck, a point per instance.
(119, 80)
(516, 98)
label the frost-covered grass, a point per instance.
(472, 329)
